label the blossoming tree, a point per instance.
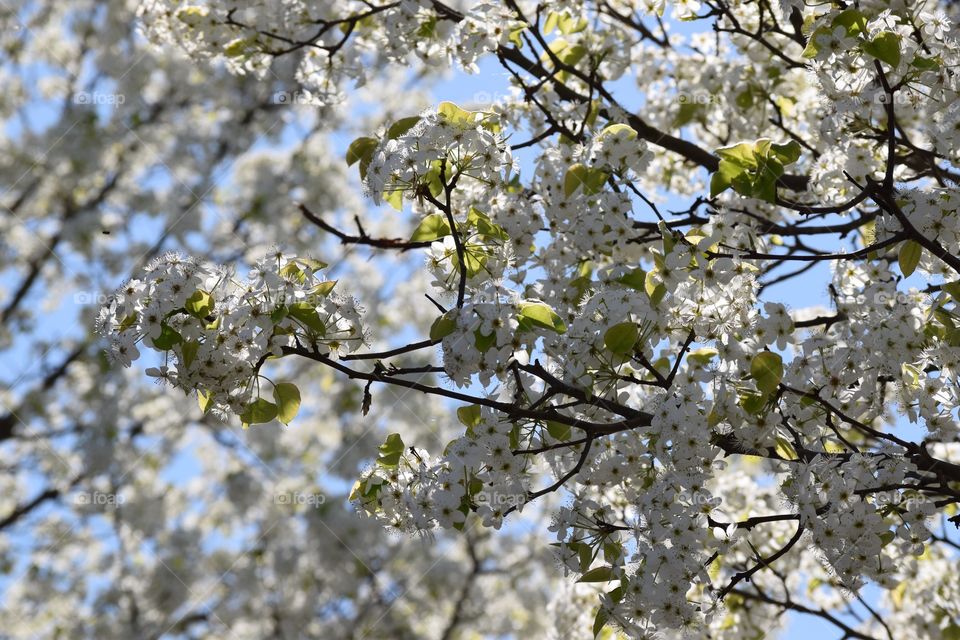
(124, 511)
(613, 284)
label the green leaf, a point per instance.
(167, 339)
(612, 550)
(279, 314)
(559, 431)
(635, 279)
(925, 64)
(538, 314)
(686, 114)
(616, 595)
(911, 375)
(360, 149)
(767, 370)
(205, 400)
(852, 20)
(469, 415)
(598, 574)
(401, 126)
(516, 35)
(584, 556)
(787, 153)
(753, 168)
(237, 47)
(590, 179)
(909, 257)
(287, 397)
(484, 342)
(394, 198)
(724, 176)
(618, 128)
(390, 451)
(307, 314)
(740, 154)
(311, 263)
(571, 55)
(200, 304)
(292, 272)
(570, 24)
(785, 449)
(953, 288)
(951, 631)
(428, 28)
(813, 44)
(443, 326)
(654, 290)
(188, 352)
(324, 288)
(868, 231)
(553, 18)
(702, 356)
(259, 411)
(753, 403)
(433, 227)
(621, 338)
(456, 114)
(129, 321)
(885, 46)
(600, 621)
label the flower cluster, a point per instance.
(435, 150)
(215, 331)
(479, 472)
(848, 514)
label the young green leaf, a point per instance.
(259, 411)
(443, 326)
(324, 288)
(580, 176)
(469, 415)
(538, 314)
(390, 451)
(401, 126)
(167, 339)
(199, 304)
(287, 397)
(188, 352)
(909, 257)
(361, 150)
(456, 114)
(204, 399)
(621, 338)
(884, 46)
(559, 431)
(767, 371)
(598, 574)
(432, 227)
